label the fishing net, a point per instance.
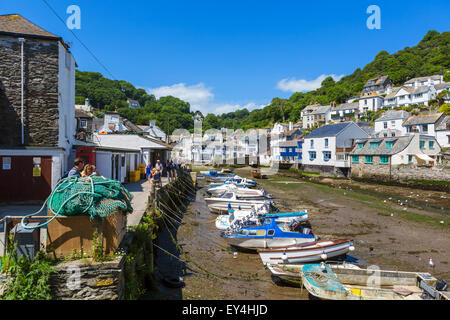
(95, 196)
(322, 278)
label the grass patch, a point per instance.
(432, 182)
(304, 173)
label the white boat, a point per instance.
(307, 252)
(247, 218)
(239, 191)
(230, 200)
(237, 181)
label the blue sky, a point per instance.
(223, 55)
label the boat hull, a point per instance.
(259, 243)
(305, 254)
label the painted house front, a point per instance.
(391, 124)
(382, 155)
(423, 124)
(326, 148)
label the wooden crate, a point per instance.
(66, 234)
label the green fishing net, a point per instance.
(95, 196)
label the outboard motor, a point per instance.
(441, 285)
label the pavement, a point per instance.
(140, 191)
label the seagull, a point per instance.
(431, 263)
(235, 255)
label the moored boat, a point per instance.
(369, 284)
(229, 200)
(307, 252)
(271, 233)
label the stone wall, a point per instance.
(87, 280)
(403, 174)
(40, 92)
(325, 170)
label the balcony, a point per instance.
(289, 154)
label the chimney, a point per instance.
(291, 125)
(152, 123)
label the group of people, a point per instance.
(154, 173)
(82, 169)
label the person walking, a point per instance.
(148, 173)
(156, 174)
(169, 170)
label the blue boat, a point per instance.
(271, 234)
(214, 175)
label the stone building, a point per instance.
(37, 116)
(378, 157)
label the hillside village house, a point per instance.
(424, 124)
(289, 145)
(318, 117)
(37, 114)
(133, 104)
(391, 124)
(380, 155)
(344, 112)
(441, 87)
(326, 148)
(380, 85)
(154, 131)
(425, 81)
(307, 119)
(84, 126)
(370, 101)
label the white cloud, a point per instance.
(200, 98)
(302, 85)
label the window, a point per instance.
(369, 159)
(385, 135)
(83, 123)
(393, 134)
(389, 144)
(431, 144)
(424, 128)
(393, 123)
(422, 144)
(360, 145)
(326, 155)
(312, 143)
(384, 159)
(385, 125)
(410, 158)
(312, 155)
(326, 142)
(355, 159)
(374, 145)
(270, 233)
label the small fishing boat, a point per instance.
(250, 218)
(237, 181)
(257, 174)
(229, 200)
(271, 233)
(323, 282)
(214, 175)
(291, 274)
(240, 191)
(307, 252)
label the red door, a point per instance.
(17, 183)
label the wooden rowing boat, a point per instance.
(323, 282)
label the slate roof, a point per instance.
(328, 130)
(442, 85)
(444, 124)
(311, 107)
(15, 24)
(393, 93)
(376, 81)
(423, 119)
(370, 95)
(346, 106)
(411, 81)
(81, 114)
(400, 144)
(394, 114)
(417, 90)
(322, 110)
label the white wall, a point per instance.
(66, 101)
(319, 147)
(443, 138)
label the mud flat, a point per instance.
(384, 232)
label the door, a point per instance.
(25, 178)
